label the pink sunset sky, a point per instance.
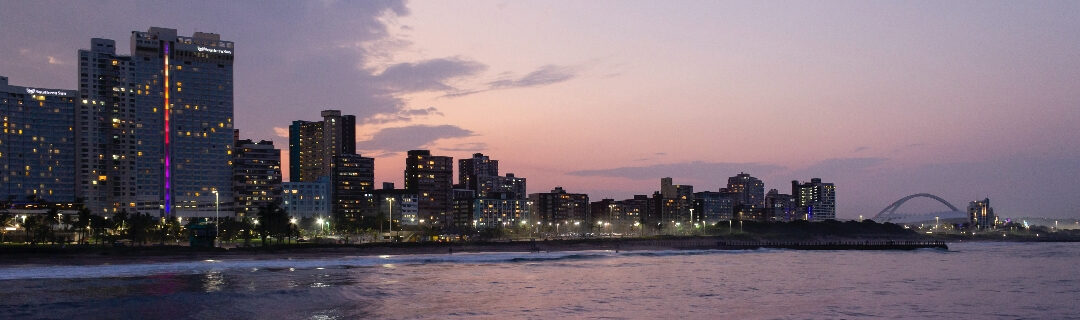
(962, 99)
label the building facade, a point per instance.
(714, 206)
(500, 213)
(306, 199)
(314, 144)
(558, 206)
(184, 122)
(779, 206)
(352, 184)
(814, 200)
(37, 143)
(431, 178)
(981, 215)
(256, 176)
(749, 195)
(676, 203)
(106, 129)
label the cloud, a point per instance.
(427, 75)
(861, 149)
(54, 60)
(545, 75)
(696, 172)
(398, 139)
(281, 132)
(467, 147)
(404, 115)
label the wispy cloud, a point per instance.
(545, 75)
(404, 115)
(391, 141)
(281, 132)
(427, 75)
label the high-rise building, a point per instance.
(256, 176)
(814, 200)
(37, 143)
(477, 166)
(481, 174)
(558, 206)
(314, 144)
(431, 177)
(677, 203)
(353, 184)
(106, 128)
(980, 214)
(183, 121)
(750, 191)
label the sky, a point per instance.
(961, 99)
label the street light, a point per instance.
(217, 216)
(319, 221)
(391, 217)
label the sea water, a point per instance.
(971, 280)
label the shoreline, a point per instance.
(97, 255)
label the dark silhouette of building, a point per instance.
(714, 206)
(481, 174)
(980, 214)
(779, 206)
(677, 203)
(256, 176)
(558, 206)
(352, 185)
(431, 177)
(749, 196)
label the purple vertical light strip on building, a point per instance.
(168, 179)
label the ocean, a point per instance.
(996, 280)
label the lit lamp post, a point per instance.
(217, 216)
(319, 222)
(391, 214)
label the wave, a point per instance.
(223, 265)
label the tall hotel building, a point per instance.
(168, 106)
(36, 143)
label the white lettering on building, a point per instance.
(46, 92)
(212, 50)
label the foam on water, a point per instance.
(204, 266)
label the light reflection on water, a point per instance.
(984, 280)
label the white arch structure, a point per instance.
(888, 213)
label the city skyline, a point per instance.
(904, 112)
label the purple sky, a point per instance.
(963, 99)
